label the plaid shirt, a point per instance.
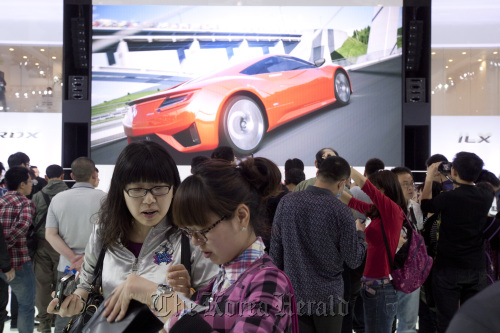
(231, 271)
(257, 301)
(16, 213)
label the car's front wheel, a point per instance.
(243, 124)
(342, 87)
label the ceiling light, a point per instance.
(42, 50)
(54, 58)
(496, 52)
(433, 53)
(479, 59)
(25, 57)
(11, 49)
(450, 60)
(464, 52)
(446, 66)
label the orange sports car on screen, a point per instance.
(238, 105)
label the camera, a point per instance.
(65, 287)
(444, 167)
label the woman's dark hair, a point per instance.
(388, 182)
(373, 165)
(219, 187)
(294, 176)
(143, 161)
(319, 155)
(294, 163)
(488, 177)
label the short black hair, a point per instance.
(334, 169)
(82, 168)
(294, 176)
(468, 165)
(18, 159)
(223, 153)
(373, 165)
(15, 176)
(294, 163)
(54, 171)
(486, 176)
(2, 168)
(197, 160)
(401, 170)
(435, 158)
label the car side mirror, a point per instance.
(319, 62)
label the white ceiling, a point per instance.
(454, 22)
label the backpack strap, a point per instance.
(96, 281)
(391, 263)
(44, 217)
(413, 219)
(186, 253)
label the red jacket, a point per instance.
(377, 262)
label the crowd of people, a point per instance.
(236, 248)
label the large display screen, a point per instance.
(273, 80)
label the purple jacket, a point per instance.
(259, 301)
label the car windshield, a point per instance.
(277, 64)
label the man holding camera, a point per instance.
(459, 270)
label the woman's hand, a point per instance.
(134, 287)
(72, 304)
(178, 278)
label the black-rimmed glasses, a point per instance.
(141, 192)
(200, 234)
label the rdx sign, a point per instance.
(18, 135)
(474, 139)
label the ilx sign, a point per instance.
(474, 139)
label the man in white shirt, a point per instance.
(71, 217)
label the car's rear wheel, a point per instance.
(243, 124)
(342, 87)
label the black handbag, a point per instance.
(139, 318)
(94, 300)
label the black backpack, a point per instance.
(31, 238)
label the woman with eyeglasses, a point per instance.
(143, 247)
(221, 209)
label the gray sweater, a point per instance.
(313, 235)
